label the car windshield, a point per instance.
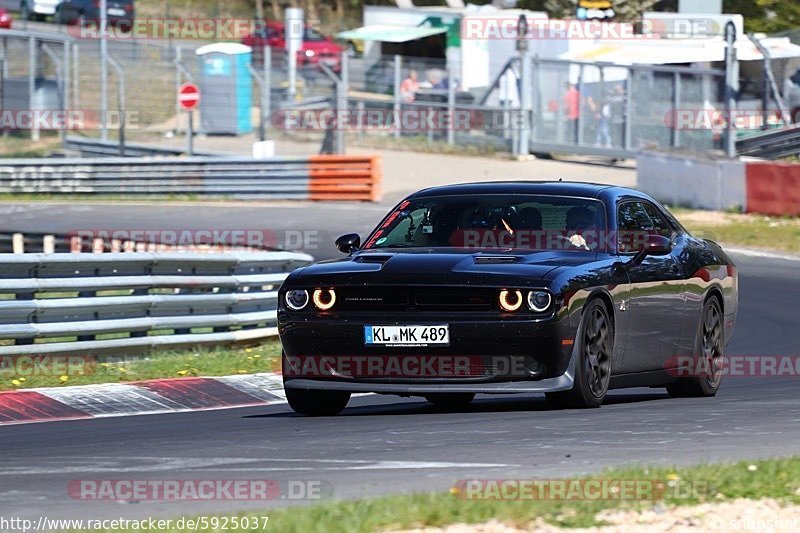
(502, 222)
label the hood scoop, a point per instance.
(373, 258)
(495, 259)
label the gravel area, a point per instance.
(764, 516)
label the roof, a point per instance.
(390, 33)
(561, 188)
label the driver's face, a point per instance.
(578, 222)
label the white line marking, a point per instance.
(761, 254)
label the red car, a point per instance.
(5, 19)
(316, 48)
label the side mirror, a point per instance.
(653, 245)
(657, 245)
(348, 243)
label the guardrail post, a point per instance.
(18, 243)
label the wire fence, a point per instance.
(570, 106)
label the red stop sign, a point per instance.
(188, 96)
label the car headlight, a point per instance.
(510, 300)
(297, 299)
(309, 53)
(324, 299)
(539, 301)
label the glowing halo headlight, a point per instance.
(510, 300)
(539, 301)
(296, 299)
(324, 298)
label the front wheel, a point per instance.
(593, 368)
(317, 402)
(709, 347)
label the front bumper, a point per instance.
(534, 355)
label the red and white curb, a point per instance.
(140, 398)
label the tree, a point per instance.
(765, 15)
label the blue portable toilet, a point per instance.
(225, 89)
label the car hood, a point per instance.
(431, 267)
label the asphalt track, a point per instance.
(386, 444)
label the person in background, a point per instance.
(410, 87)
(572, 109)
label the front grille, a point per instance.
(416, 298)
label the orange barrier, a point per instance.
(345, 177)
(773, 188)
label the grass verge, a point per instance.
(775, 478)
(746, 231)
(199, 362)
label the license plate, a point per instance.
(438, 335)
(114, 12)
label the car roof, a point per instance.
(560, 188)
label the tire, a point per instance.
(709, 345)
(450, 401)
(317, 402)
(595, 346)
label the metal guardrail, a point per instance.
(772, 144)
(302, 178)
(89, 147)
(91, 303)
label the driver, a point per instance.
(580, 220)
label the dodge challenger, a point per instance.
(566, 289)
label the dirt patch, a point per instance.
(765, 515)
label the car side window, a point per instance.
(660, 223)
(632, 220)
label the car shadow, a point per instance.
(480, 405)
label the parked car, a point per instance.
(5, 19)
(566, 289)
(316, 48)
(37, 9)
(120, 12)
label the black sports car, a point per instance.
(569, 289)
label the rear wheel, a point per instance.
(317, 402)
(593, 368)
(709, 347)
(450, 401)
